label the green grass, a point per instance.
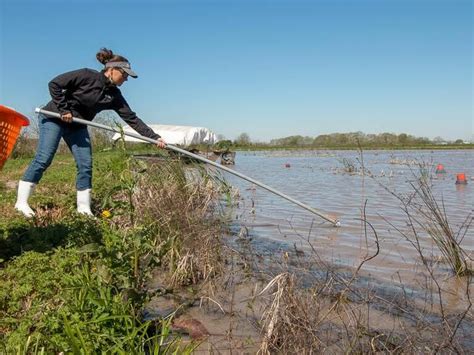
(75, 284)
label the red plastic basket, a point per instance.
(10, 127)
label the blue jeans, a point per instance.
(77, 138)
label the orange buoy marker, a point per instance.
(440, 169)
(287, 165)
(461, 179)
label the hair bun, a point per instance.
(104, 55)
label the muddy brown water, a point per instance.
(317, 178)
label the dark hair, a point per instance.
(106, 55)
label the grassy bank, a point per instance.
(76, 284)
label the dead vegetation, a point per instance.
(176, 205)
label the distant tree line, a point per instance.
(339, 140)
(351, 139)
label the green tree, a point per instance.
(322, 140)
(402, 138)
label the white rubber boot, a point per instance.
(25, 189)
(84, 202)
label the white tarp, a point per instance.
(182, 135)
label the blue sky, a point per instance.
(267, 68)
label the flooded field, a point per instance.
(292, 281)
(324, 180)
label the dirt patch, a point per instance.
(11, 184)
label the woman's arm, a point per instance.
(124, 111)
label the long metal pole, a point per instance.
(334, 221)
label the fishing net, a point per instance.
(10, 127)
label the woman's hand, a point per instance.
(161, 143)
(67, 117)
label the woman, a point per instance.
(81, 93)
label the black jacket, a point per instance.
(86, 92)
